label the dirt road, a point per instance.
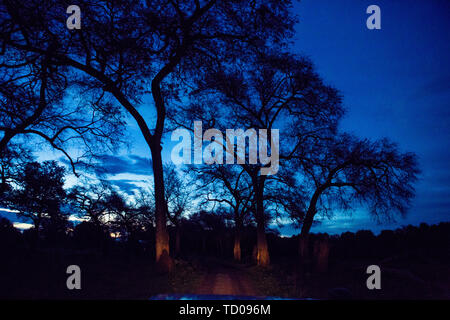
(224, 278)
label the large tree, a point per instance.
(90, 202)
(123, 217)
(40, 193)
(32, 109)
(346, 172)
(227, 185)
(132, 48)
(278, 91)
(178, 199)
(12, 159)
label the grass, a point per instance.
(272, 281)
(186, 276)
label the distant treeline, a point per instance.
(197, 237)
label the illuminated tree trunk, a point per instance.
(237, 242)
(162, 236)
(303, 246)
(262, 255)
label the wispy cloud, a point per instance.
(112, 165)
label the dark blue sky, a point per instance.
(395, 82)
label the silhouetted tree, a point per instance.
(40, 193)
(90, 202)
(214, 225)
(144, 202)
(229, 185)
(88, 235)
(12, 159)
(277, 91)
(10, 237)
(178, 199)
(346, 171)
(133, 48)
(122, 216)
(32, 94)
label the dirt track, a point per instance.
(226, 279)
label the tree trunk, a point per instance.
(3, 183)
(162, 236)
(321, 254)
(177, 241)
(237, 242)
(303, 248)
(262, 256)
